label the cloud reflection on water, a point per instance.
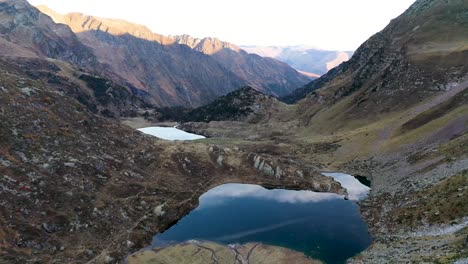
(233, 190)
(218, 195)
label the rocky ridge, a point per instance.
(26, 32)
(267, 75)
(393, 64)
(173, 72)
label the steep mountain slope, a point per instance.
(268, 75)
(173, 73)
(303, 58)
(51, 52)
(414, 57)
(26, 32)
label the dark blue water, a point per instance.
(321, 225)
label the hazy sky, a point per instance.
(328, 24)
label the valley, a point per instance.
(80, 184)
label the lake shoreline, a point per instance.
(288, 228)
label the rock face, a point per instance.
(309, 60)
(170, 71)
(26, 32)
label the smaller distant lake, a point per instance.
(170, 133)
(321, 225)
(355, 187)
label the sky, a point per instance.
(326, 24)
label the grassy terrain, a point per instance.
(441, 203)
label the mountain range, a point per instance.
(311, 61)
(178, 70)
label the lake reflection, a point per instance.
(219, 195)
(321, 225)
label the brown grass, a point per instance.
(441, 203)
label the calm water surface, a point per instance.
(170, 133)
(321, 225)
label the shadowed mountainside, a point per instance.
(271, 76)
(51, 52)
(245, 104)
(174, 74)
(26, 32)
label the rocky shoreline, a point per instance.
(208, 252)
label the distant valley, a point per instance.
(309, 60)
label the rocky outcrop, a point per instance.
(208, 45)
(209, 252)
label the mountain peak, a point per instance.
(149, 60)
(207, 45)
(79, 23)
(28, 33)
